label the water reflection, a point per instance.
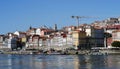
(15, 62)
(56, 62)
(90, 62)
(113, 62)
(59, 62)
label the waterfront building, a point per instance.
(12, 41)
(95, 34)
(88, 30)
(35, 41)
(38, 31)
(116, 35)
(21, 35)
(78, 38)
(97, 37)
(1, 38)
(112, 29)
(3, 42)
(69, 40)
(57, 40)
(30, 42)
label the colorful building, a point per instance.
(78, 38)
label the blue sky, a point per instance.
(21, 14)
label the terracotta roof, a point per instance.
(113, 27)
(116, 31)
(36, 36)
(22, 32)
(46, 30)
(97, 27)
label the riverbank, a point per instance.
(67, 52)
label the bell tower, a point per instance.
(55, 27)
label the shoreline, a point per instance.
(68, 52)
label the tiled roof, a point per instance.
(113, 27)
(116, 31)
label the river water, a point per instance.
(59, 61)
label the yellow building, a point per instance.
(78, 38)
(24, 39)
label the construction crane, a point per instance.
(79, 17)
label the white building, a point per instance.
(38, 31)
(116, 35)
(88, 30)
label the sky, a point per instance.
(19, 15)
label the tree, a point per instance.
(116, 44)
(107, 35)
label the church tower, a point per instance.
(55, 27)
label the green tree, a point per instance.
(107, 35)
(116, 44)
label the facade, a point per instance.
(56, 41)
(109, 42)
(2, 41)
(12, 41)
(21, 35)
(88, 30)
(116, 35)
(79, 38)
(97, 37)
(69, 28)
(83, 36)
(38, 31)
(31, 31)
(111, 20)
(35, 40)
(106, 22)
(112, 29)
(44, 31)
